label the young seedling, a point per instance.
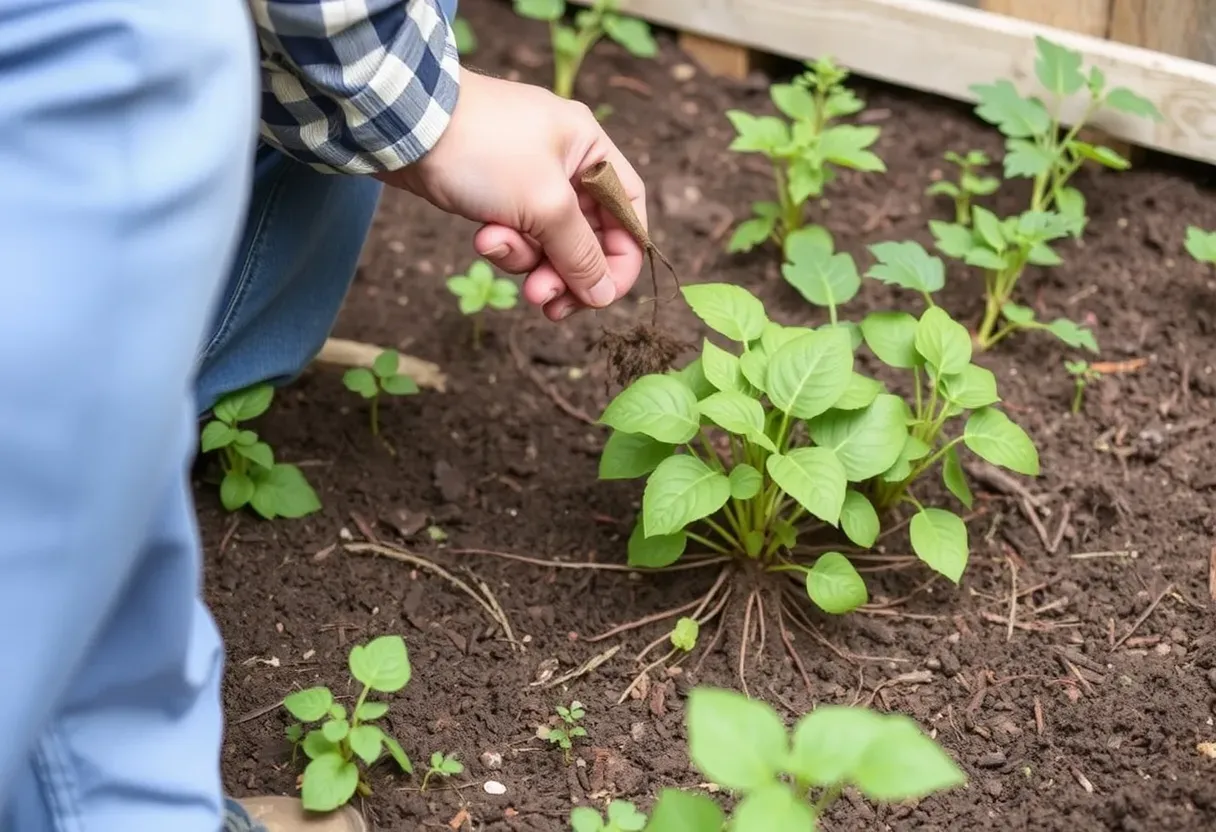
(789, 780)
(466, 38)
(1083, 374)
(382, 378)
(479, 289)
(1039, 148)
(442, 765)
(252, 477)
(805, 150)
(571, 729)
(571, 44)
(623, 816)
(1200, 244)
(970, 183)
(332, 777)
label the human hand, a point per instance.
(511, 159)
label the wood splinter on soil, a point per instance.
(644, 348)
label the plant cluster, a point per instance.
(442, 765)
(805, 149)
(571, 728)
(251, 476)
(571, 44)
(343, 738)
(478, 290)
(381, 379)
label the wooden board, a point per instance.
(1186, 28)
(717, 57)
(944, 48)
(1089, 17)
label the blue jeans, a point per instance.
(155, 258)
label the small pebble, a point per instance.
(683, 72)
(492, 760)
(950, 664)
(1178, 635)
(933, 664)
(993, 759)
(994, 788)
(1162, 649)
(494, 787)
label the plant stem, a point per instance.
(1077, 396)
(426, 778)
(707, 543)
(376, 414)
(477, 331)
(992, 314)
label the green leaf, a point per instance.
(1013, 114)
(245, 437)
(338, 711)
(1102, 155)
(809, 373)
(1046, 225)
(943, 342)
(283, 491)
(904, 764)
(862, 390)
(913, 449)
(892, 337)
(383, 664)
(315, 745)
(992, 435)
(1077, 337)
(294, 733)
(745, 481)
(386, 363)
(503, 294)
(1058, 69)
(834, 584)
(794, 101)
(754, 366)
(952, 239)
(244, 405)
(1016, 314)
(1025, 158)
(734, 412)
(722, 369)
(692, 376)
(989, 227)
(859, 520)
(258, 453)
(586, 819)
(236, 489)
(398, 753)
(845, 145)
(452, 766)
(764, 134)
(633, 34)
(943, 188)
(216, 435)
(1201, 244)
(657, 551)
(985, 258)
(808, 242)
(329, 782)
(681, 489)
(814, 477)
(824, 279)
(309, 705)
(541, 9)
(805, 180)
(736, 742)
(1126, 101)
(680, 811)
(726, 308)
(868, 441)
(939, 538)
(751, 233)
(1041, 254)
(955, 478)
(371, 710)
(335, 730)
(684, 635)
(973, 387)
(657, 405)
(831, 741)
(907, 265)
(627, 456)
(772, 807)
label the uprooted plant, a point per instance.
(332, 776)
(805, 151)
(571, 44)
(745, 450)
(251, 476)
(382, 378)
(1039, 148)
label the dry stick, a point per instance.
(1144, 616)
(645, 670)
(747, 634)
(695, 563)
(659, 616)
(422, 563)
(1013, 598)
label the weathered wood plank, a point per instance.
(904, 42)
(1186, 28)
(717, 57)
(1089, 17)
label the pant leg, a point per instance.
(126, 142)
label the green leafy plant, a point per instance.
(480, 289)
(805, 149)
(1083, 374)
(1039, 148)
(332, 776)
(251, 476)
(623, 816)
(442, 765)
(381, 379)
(1200, 244)
(466, 38)
(571, 44)
(570, 729)
(789, 780)
(971, 183)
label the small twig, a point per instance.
(236, 521)
(1013, 597)
(914, 677)
(584, 668)
(257, 712)
(685, 564)
(1072, 668)
(1082, 780)
(1065, 515)
(643, 673)
(1039, 727)
(1144, 616)
(1114, 553)
(699, 604)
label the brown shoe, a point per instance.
(286, 814)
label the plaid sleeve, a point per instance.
(355, 86)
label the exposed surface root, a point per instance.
(638, 351)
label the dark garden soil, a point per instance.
(1063, 721)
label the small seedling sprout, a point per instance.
(1200, 244)
(479, 289)
(442, 765)
(571, 44)
(623, 816)
(381, 378)
(1083, 374)
(251, 476)
(343, 738)
(570, 730)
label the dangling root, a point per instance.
(661, 616)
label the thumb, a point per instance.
(573, 249)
